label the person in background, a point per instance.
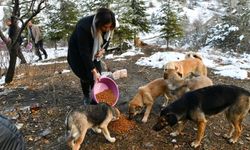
(20, 40)
(87, 46)
(36, 36)
(10, 137)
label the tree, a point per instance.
(132, 19)
(20, 10)
(139, 17)
(90, 6)
(233, 32)
(171, 26)
(62, 21)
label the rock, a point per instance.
(19, 125)
(61, 139)
(149, 145)
(217, 134)
(174, 141)
(45, 132)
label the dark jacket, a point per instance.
(11, 33)
(10, 137)
(80, 49)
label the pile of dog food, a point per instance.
(107, 96)
(122, 125)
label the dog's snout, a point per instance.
(131, 116)
(165, 76)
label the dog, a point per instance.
(96, 117)
(192, 65)
(180, 87)
(146, 96)
(197, 105)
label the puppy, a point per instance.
(146, 96)
(211, 100)
(96, 117)
(191, 65)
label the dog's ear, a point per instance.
(176, 68)
(171, 119)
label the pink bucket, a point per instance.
(105, 83)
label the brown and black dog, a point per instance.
(191, 65)
(146, 96)
(211, 100)
(96, 117)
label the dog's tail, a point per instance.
(193, 55)
(72, 131)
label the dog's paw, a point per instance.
(232, 140)
(76, 147)
(174, 134)
(226, 136)
(112, 140)
(144, 120)
(97, 130)
(195, 144)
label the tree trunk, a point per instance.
(167, 43)
(12, 64)
(55, 45)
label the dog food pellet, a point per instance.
(122, 125)
(107, 96)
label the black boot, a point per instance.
(86, 101)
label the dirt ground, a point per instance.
(41, 96)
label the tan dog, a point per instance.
(146, 96)
(191, 65)
(96, 117)
(179, 86)
(186, 85)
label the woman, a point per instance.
(87, 45)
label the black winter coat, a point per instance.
(12, 31)
(80, 49)
(10, 137)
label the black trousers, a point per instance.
(38, 48)
(87, 85)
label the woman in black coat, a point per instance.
(87, 45)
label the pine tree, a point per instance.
(139, 17)
(90, 6)
(62, 21)
(171, 26)
(233, 32)
(132, 19)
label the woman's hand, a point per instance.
(96, 74)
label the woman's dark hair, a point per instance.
(104, 16)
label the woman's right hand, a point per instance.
(96, 75)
